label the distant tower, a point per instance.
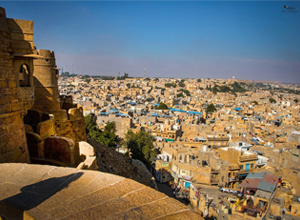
(62, 70)
(46, 81)
(119, 73)
(124, 71)
(145, 71)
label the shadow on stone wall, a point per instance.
(33, 195)
(43, 94)
(14, 101)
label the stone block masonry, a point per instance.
(13, 146)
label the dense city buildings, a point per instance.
(224, 148)
(241, 136)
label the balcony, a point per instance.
(248, 157)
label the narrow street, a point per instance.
(166, 189)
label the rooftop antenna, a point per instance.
(145, 71)
(124, 71)
(119, 73)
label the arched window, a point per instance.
(24, 75)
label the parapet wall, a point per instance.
(71, 124)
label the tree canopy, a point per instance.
(181, 83)
(187, 92)
(107, 137)
(140, 145)
(211, 108)
(162, 106)
(179, 95)
(170, 85)
(272, 100)
(255, 102)
(234, 88)
(67, 74)
(126, 75)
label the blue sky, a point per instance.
(195, 39)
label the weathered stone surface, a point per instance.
(60, 149)
(99, 182)
(86, 149)
(75, 113)
(35, 144)
(46, 129)
(91, 163)
(66, 193)
(9, 189)
(21, 175)
(62, 197)
(60, 115)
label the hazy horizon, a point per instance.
(197, 39)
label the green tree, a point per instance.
(254, 102)
(199, 80)
(162, 106)
(91, 128)
(187, 92)
(107, 137)
(89, 122)
(272, 100)
(87, 80)
(236, 87)
(181, 83)
(140, 145)
(170, 85)
(296, 100)
(108, 77)
(179, 95)
(211, 108)
(126, 75)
